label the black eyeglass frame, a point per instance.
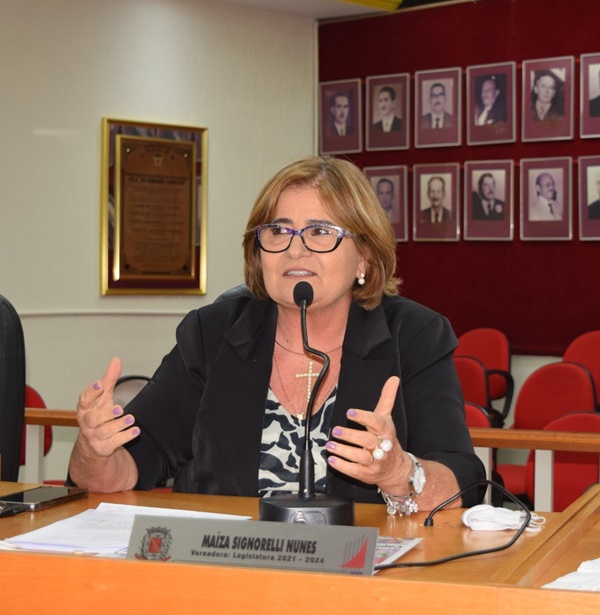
(341, 233)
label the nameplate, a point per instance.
(255, 544)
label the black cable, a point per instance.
(429, 522)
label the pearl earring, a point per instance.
(361, 280)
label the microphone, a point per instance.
(307, 506)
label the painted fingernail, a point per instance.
(97, 386)
(337, 431)
(330, 446)
(135, 431)
(351, 412)
(117, 410)
(331, 460)
(129, 420)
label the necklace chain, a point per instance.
(303, 353)
(299, 415)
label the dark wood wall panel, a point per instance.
(541, 293)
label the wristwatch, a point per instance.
(417, 479)
(405, 504)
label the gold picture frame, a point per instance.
(153, 208)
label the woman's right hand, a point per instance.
(103, 427)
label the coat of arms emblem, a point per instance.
(155, 544)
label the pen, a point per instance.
(10, 511)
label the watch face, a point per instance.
(418, 479)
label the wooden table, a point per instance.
(504, 582)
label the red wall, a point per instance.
(542, 294)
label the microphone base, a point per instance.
(319, 509)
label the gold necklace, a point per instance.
(303, 353)
(299, 415)
(309, 375)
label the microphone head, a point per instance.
(303, 291)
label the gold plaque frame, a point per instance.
(153, 209)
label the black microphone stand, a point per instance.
(307, 506)
(307, 463)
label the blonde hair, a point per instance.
(349, 199)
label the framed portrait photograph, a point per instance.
(546, 198)
(387, 124)
(590, 95)
(436, 211)
(438, 107)
(488, 200)
(389, 184)
(340, 117)
(153, 208)
(491, 103)
(589, 198)
(547, 110)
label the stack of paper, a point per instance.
(102, 531)
(587, 578)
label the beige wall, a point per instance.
(247, 75)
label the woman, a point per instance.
(224, 412)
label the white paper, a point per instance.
(586, 578)
(389, 549)
(104, 530)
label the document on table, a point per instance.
(389, 549)
(104, 530)
(586, 578)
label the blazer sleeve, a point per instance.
(433, 401)
(166, 409)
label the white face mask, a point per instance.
(486, 517)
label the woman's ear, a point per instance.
(363, 264)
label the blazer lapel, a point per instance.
(368, 361)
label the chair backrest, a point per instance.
(127, 388)
(476, 416)
(552, 391)
(573, 472)
(34, 400)
(12, 390)
(491, 347)
(241, 290)
(585, 350)
(473, 380)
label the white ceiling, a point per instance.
(315, 9)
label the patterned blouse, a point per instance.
(282, 443)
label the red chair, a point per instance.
(473, 381)
(548, 393)
(573, 472)
(585, 350)
(476, 416)
(34, 400)
(491, 347)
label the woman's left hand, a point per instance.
(356, 459)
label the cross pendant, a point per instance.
(309, 376)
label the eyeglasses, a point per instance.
(315, 237)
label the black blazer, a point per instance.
(593, 210)
(478, 211)
(396, 125)
(201, 416)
